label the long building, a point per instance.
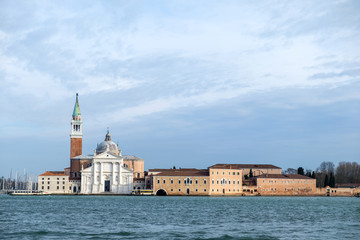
(228, 180)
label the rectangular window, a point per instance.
(63, 187)
(196, 181)
(172, 190)
(217, 181)
(57, 178)
(70, 188)
(63, 182)
(42, 187)
(179, 190)
(204, 190)
(171, 181)
(234, 182)
(42, 179)
(212, 181)
(57, 187)
(238, 173)
(48, 182)
(179, 181)
(42, 183)
(164, 181)
(204, 181)
(57, 182)
(48, 187)
(63, 178)
(233, 173)
(48, 178)
(158, 181)
(196, 190)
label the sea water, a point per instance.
(138, 217)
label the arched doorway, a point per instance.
(161, 192)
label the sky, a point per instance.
(181, 83)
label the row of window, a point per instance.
(57, 187)
(290, 189)
(224, 181)
(290, 181)
(223, 173)
(56, 183)
(217, 190)
(56, 179)
(196, 190)
(187, 181)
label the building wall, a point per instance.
(182, 185)
(75, 147)
(54, 184)
(106, 168)
(284, 186)
(259, 171)
(137, 166)
(76, 165)
(225, 181)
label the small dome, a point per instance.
(107, 145)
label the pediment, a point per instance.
(107, 155)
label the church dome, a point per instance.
(107, 145)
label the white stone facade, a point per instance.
(54, 182)
(107, 175)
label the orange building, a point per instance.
(175, 182)
(285, 184)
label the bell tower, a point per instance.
(76, 131)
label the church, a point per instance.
(106, 171)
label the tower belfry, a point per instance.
(76, 131)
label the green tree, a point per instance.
(251, 173)
(313, 175)
(326, 182)
(300, 171)
(332, 180)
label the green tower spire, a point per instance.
(76, 111)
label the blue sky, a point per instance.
(184, 83)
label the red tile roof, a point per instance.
(180, 172)
(287, 176)
(242, 166)
(53, 173)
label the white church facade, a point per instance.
(107, 173)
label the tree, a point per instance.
(326, 182)
(332, 180)
(313, 175)
(246, 176)
(300, 171)
(327, 167)
(251, 173)
(290, 171)
(347, 172)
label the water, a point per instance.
(134, 217)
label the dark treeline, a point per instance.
(346, 173)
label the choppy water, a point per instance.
(132, 217)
